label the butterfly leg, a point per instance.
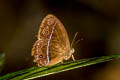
(73, 58)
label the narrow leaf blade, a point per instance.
(35, 72)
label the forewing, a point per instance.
(59, 44)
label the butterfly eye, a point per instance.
(41, 56)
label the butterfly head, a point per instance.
(72, 50)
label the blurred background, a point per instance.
(97, 21)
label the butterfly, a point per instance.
(53, 45)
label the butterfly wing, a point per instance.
(53, 42)
(59, 44)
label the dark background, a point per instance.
(97, 21)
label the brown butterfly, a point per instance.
(53, 44)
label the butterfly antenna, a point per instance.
(74, 39)
(77, 41)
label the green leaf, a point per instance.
(2, 60)
(35, 72)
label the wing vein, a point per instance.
(48, 60)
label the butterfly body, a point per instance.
(53, 44)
